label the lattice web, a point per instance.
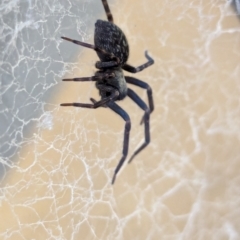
(57, 163)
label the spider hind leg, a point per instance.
(107, 10)
(115, 60)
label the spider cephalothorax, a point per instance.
(112, 49)
(112, 78)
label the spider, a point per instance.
(112, 49)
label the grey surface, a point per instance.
(236, 5)
(34, 59)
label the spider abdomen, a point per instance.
(111, 38)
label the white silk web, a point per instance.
(56, 164)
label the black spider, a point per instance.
(112, 48)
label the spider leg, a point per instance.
(82, 79)
(109, 64)
(95, 101)
(89, 79)
(96, 104)
(144, 85)
(107, 10)
(112, 105)
(132, 69)
(87, 45)
(143, 106)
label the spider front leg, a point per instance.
(132, 69)
(82, 79)
(112, 105)
(89, 79)
(95, 101)
(144, 107)
(143, 85)
(114, 95)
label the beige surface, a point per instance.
(185, 185)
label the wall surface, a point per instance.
(58, 163)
